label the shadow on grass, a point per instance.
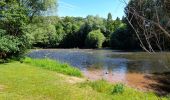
(161, 84)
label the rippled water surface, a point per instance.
(111, 65)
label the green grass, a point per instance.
(21, 81)
(120, 91)
(54, 66)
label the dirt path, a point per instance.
(2, 87)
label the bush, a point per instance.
(118, 88)
(95, 39)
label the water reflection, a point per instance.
(108, 64)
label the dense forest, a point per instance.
(23, 26)
(78, 32)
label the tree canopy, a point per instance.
(14, 18)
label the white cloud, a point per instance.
(67, 5)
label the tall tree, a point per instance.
(109, 17)
(14, 16)
(110, 24)
(151, 22)
(36, 7)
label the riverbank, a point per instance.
(132, 68)
(21, 81)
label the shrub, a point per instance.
(118, 88)
(95, 39)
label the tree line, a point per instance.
(77, 32)
(23, 25)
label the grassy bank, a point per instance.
(25, 81)
(120, 91)
(54, 66)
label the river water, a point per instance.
(115, 66)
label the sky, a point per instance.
(82, 8)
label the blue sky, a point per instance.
(82, 8)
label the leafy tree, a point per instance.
(95, 39)
(110, 24)
(44, 35)
(150, 22)
(37, 7)
(91, 23)
(117, 23)
(109, 29)
(124, 40)
(71, 28)
(9, 44)
(14, 18)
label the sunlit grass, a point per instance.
(120, 91)
(54, 66)
(26, 82)
(21, 81)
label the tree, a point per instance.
(109, 29)
(14, 18)
(95, 39)
(117, 23)
(110, 24)
(150, 21)
(37, 7)
(123, 39)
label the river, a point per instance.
(133, 68)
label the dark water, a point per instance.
(108, 64)
(132, 68)
(115, 61)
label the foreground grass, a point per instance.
(27, 82)
(54, 66)
(121, 92)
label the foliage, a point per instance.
(123, 36)
(37, 7)
(95, 39)
(8, 45)
(54, 66)
(44, 35)
(150, 20)
(110, 28)
(118, 88)
(14, 18)
(70, 32)
(14, 40)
